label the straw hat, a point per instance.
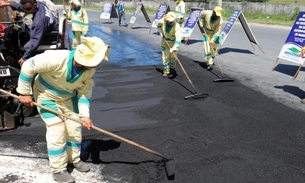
(218, 11)
(75, 2)
(91, 52)
(170, 16)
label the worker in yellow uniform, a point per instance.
(64, 83)
(180, 11)
(171, 33)
(79, 19)
(210, 21)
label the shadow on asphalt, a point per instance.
(289, 70)
(106, 22)
(173, 79)
(192, 41)
(202, 64)
(92, 148)
(235, 50)
(140, 28)
(220, 77)
(294, 90)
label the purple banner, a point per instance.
(297, 33)
(107, 8)
(161, 11)
(295, 41)
(106, 11)
(191, 22)
(231, 21)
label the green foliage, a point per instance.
(278, 19)
(295, 13)
(252, 1)
(203, 1)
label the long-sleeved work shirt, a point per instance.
(211, 27)
(79, 20)
(56, 79)
(43, 21)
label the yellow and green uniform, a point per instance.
(212, 29)
(55, 87)
(180, 11)
(171, 35)
(80, 24)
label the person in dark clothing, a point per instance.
(121, 11)
(115, 3)
(43, 21)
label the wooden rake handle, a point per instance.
(212, 50)
(185, 73)
(93, 127)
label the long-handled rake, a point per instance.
(168, 161)
(195, 94)
(223, 78)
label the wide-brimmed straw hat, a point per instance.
(218, 11)
(91, 52)
(170, 16)
(75, 2)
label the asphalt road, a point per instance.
(250, 130)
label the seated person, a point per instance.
(43, 21)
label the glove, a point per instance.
(173, 49)
(161, 34)
(302, 54)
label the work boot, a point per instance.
(63, 177)
(209, 67)
(165, 73)
(81, 166)
(173, 72)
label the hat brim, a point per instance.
(218, 14)
(93, 61)
(170, 19)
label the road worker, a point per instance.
(210, 21)
(43, 21)
(180, 11)
(171, 33)
(80, 24)
(64, 83)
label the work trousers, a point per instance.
(121, 16)
(209, 54)
(63, 136)
(76, 38)
(168, 58)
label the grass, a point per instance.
(264, 18)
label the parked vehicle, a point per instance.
(12, 39)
